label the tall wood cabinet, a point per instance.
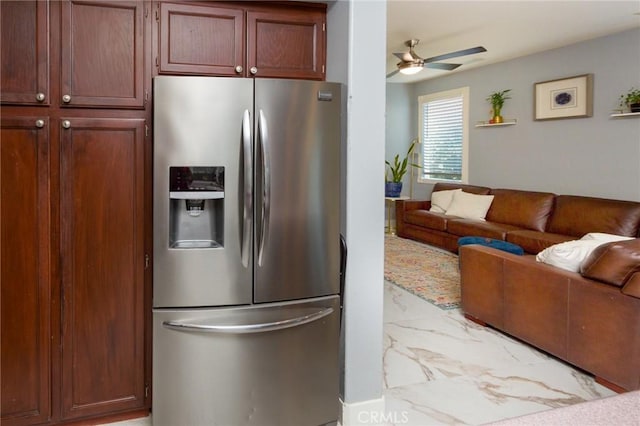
(74, 156)
(76, 181)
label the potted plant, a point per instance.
(393, 185)
(497, 101)
(631, 99)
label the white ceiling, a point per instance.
(507, 29)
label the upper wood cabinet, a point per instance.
(24, 52)
(243, 39)
(203, 40)
(25, 368)
(102, 53)
(286, 43)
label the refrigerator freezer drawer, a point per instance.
(273, 364)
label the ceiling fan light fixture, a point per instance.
(411, 69)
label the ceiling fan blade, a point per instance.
(392, 73)
(404, 56)
(441, 66)
(464, 52)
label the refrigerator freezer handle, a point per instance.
(250, 328)
(263, 135)
(247, 190)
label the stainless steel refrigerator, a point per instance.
(246, 264)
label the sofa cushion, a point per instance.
(427, 219)
(576, 216)
(477, 228)
(471, 189)
(469, 206)
(535, 241)
(613, 263)
(441, 200)
(525, 209)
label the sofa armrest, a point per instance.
(406, 205)
(615, 263)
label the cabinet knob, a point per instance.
(254, 70)
(239, 69)
(40, 123)
(66, 99)
(40, 97)
(66, 124)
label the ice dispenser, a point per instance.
(196, 207)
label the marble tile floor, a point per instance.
(441, 369)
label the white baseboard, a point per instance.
(362, 413)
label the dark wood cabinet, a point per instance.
(103, 262)
(244, 39)
(24, 52)
(286, 43)
(102, 53)
(26, 288)
(75, 211)
(201, 39)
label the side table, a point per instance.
(390, 203)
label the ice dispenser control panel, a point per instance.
(196, 207)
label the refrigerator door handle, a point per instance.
(247, 191)
(263, 135)
(314, 315)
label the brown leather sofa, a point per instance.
(590, 319)
(532, 220)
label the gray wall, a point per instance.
(355, 51)
(597, 156)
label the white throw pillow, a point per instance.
(570, 254)
(469, 206)
(441, 200)
(605, 238)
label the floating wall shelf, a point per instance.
(510, 122)
(625, 114)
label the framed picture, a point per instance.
(570, 97)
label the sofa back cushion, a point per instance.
(472, 189)
(613, 263)
(577, 216)
(526, 209)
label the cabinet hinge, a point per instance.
(146, 258)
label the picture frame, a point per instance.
(570, 97)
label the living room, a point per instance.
(594, 156)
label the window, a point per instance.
(444, 135)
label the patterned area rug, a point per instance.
(425, 271)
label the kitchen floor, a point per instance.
(440, 369)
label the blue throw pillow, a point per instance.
(490, 242)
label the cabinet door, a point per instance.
(102, 53)
(102, 221)
(203, 40)
(24, 52)
(286, 43)
(26, 292)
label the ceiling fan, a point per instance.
(411, 63)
